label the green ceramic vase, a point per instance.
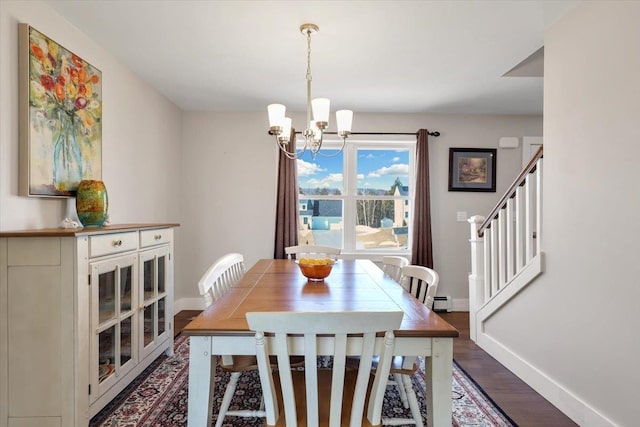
(92, 203)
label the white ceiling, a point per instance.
(369, 56)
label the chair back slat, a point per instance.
(311, 251)
(225, 272)
(421, 282)
(336, 326)
(392, 266)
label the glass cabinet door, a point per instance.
(156, 326)
(113, 319)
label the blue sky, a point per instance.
(377, 169)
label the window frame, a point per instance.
(349, 196)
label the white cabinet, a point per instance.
(82, 313)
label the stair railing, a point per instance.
(506, 245)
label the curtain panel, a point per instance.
(421, 250)
(286, 202)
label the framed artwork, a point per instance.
(472, 169)
(60, 117)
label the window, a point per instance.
(358, 199)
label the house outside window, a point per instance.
(358, 199)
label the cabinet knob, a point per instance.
(157, 236)
(117, 243)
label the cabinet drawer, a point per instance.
(112, 243)
(155, 237)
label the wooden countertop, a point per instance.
(71, 232)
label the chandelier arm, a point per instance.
(344, 140)
(290, 154)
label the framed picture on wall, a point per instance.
(60, 117)
(472, 169)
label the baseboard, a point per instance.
(188, 304)
(570, 404)
(460, 304)
(567, 402)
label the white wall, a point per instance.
(141, 131)
(574, 330)
(228, 187)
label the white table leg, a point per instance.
(202, 365)
(438, 377)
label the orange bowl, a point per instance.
(315, 270)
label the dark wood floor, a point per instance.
(519, 401)
(181, 319)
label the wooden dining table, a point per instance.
(353, 285)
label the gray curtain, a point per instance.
(286, 202)
(421, 250)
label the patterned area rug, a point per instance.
(158, 397)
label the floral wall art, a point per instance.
(60, 117)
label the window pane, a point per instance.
(383, 172)
(148, 324)
(125, 340)
(106, 296)
(125, 288)
(320, 222)
(149, 279)
(106, 351)
(322, 175)
(161, 273)
(161, 315)
(382, 224)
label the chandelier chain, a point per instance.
(308, 135)
(309, 55)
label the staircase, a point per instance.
(506, 246)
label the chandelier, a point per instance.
(280, 126)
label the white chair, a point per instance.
(225, 272)
(392, 266)
(334, 327)
(221, 275)
(422, 283)
(312, 251)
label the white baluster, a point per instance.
(519, 229)
(528, 228)
(538, 206)
(502, 249)
(494, 257)
(510, 238)
(476, 278)
(487, 265)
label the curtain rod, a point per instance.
(434, 133)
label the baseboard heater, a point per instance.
(442, 304)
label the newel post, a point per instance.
(476, 278)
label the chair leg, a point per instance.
(226, 399)
(413, 401)
(403, 394)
